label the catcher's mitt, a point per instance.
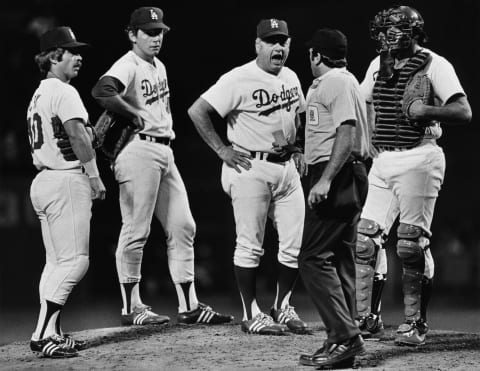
(418, 88)
(113, 132)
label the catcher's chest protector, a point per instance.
(392, 128)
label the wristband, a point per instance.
(91, 168)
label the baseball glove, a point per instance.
(113, 133)
(418, 88)
(63, 141)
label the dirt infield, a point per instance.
(200, 347)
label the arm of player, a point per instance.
(299, 157)
(456, 110)
(107, 93)
(342, 148)
(201, 113)
(82, 147)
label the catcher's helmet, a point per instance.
(394, 28)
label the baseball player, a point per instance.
(336, 143)
(63, 190)
(150, 184)
(260, 101)
(409, 168)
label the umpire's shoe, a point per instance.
(288, 316)
(411, 333)
(142, 315)
(335, 355)
(53, 347)
(203, 314)
(263, 324)
(320, 355)
(312, 358)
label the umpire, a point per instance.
(336, 143)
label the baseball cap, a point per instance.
(329, 42)
(270, 27)
(60, 37)
(148, 18)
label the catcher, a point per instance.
(409, 90)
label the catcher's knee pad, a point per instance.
(411, 246)
(368, 243)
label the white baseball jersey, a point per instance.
(334, 98)
(255, 102)
(442, 75)
(146, 89)
(53, 100)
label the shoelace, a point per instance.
(59, 341)
(146, 309)
(266, 320)
(291, 314)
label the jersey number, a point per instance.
(35, 132)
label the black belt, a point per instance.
(149, 138)
(271, 157)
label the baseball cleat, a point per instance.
(371, 326)
(411, 333)
(53, 347)
(203, 314)
(142, 315)
(263, 324)
(74, 343)
(288, 316)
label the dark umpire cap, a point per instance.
(270, 27)
(60, 37)
(148, 18)
(329, 42)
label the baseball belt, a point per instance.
(149, 138)
(270, 157)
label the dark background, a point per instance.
(205, 41)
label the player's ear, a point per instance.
(132, 35)
(315, 57)
(257, 45)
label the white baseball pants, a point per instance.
(266, 190)
(62, 201)
(150, 184)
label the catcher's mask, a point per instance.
(394, 28)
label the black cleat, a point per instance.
(263, 324)
(142, 315)
(53, 347)
(203, 314)
(288, 316)
(75, 343)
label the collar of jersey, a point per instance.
(140, 60)
(332, 71)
